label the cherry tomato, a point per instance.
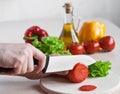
(107, 43)
(91, 47)
(76, 48)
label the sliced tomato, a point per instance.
(78, 74)
(87, 87)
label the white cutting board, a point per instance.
(60, 85)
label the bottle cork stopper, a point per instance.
(68, 7)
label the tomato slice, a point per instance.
(87, 87)
(78, 74)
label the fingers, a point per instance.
(26, 65)
(64, 73)
(20, 58)
(61, 74)
(41, 59)
(30, 63)
(34, 75)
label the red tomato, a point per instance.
(107, 43)
(91, 47)
(76, 48)
(32, 31)
(87, 87)
(78, 74)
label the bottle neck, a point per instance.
(68, 18)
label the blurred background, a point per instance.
(52, 9)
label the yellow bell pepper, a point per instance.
(93, 30)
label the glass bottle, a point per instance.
(68, 34)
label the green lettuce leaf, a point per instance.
(99, 69)
(50, 45)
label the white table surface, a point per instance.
(13, 32)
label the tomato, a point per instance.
(91, 47)
(107, 43)
(78, 74)
(76, 48)
(34, 32)
(87, 87)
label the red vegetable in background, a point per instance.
(34, 32)
(76, 48)
(107, 43)
(91, 47)
(78, 74)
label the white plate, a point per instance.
(60, 85)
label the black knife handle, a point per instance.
(5, 69)
(46, 63)
(10, 69)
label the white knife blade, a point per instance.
(66, 62)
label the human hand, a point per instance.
(20, 57)
(34, 75)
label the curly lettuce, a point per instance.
(99, 69)
(50, 45)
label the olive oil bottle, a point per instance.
(68, 34)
